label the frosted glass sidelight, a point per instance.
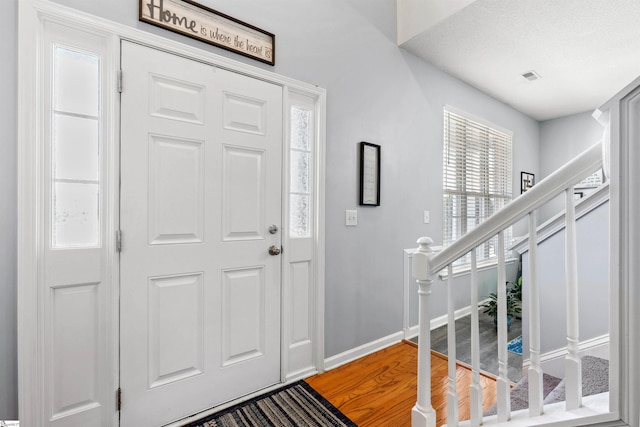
(299, 172)
(76, 82)
(76, 148)
(299, 215)
(300, 128)
(76, 220)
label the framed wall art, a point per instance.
(527, 180)
(369, 174)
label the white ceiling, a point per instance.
(584, 50)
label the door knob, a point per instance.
(274, 250)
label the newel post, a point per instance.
(423, 414)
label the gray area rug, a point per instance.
(488, 344)
(295, 405)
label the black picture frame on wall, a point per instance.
(369, 174)
(527, 180)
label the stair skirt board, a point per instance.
(553, 362)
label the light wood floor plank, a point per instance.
(380, 389)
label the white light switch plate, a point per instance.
(351, 217)
(426, 217)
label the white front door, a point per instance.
(201, 155)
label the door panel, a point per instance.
(200, 184)
(175, 321)
(75, 327)
(175, 99)
(244, 114)
(243, 191)
(243, 315)
(176, 190)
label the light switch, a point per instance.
(426, 217)
(351, 217)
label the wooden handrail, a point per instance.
(579, 168)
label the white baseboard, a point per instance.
(411, 332)
(363, 350)
(552, 362)
(384, 342)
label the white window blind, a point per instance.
(477, 179)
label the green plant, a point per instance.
(515, 289)
(514, 297)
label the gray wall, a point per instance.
(8, 199)
(561, 140)
(376, 93)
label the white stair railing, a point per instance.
(502, 383)
(452, 394)
(475, 393)
(423, 414)
(573, 367)
(426, 264)
(535, 371)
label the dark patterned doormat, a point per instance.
(297, 405)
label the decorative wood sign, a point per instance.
(194, 20)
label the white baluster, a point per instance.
(573, 364)
(502, 383)
(475, 393)
(535, 371)
(452, 394)
(423, 414)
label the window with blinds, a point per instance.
(477, 179)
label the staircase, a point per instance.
(570, 402)
(426, 263)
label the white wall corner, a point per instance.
(417, 16)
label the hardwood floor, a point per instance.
(380, 389)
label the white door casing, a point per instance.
(201, 158)
(86, 393)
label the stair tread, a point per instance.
(595, 380)
(520, 393)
